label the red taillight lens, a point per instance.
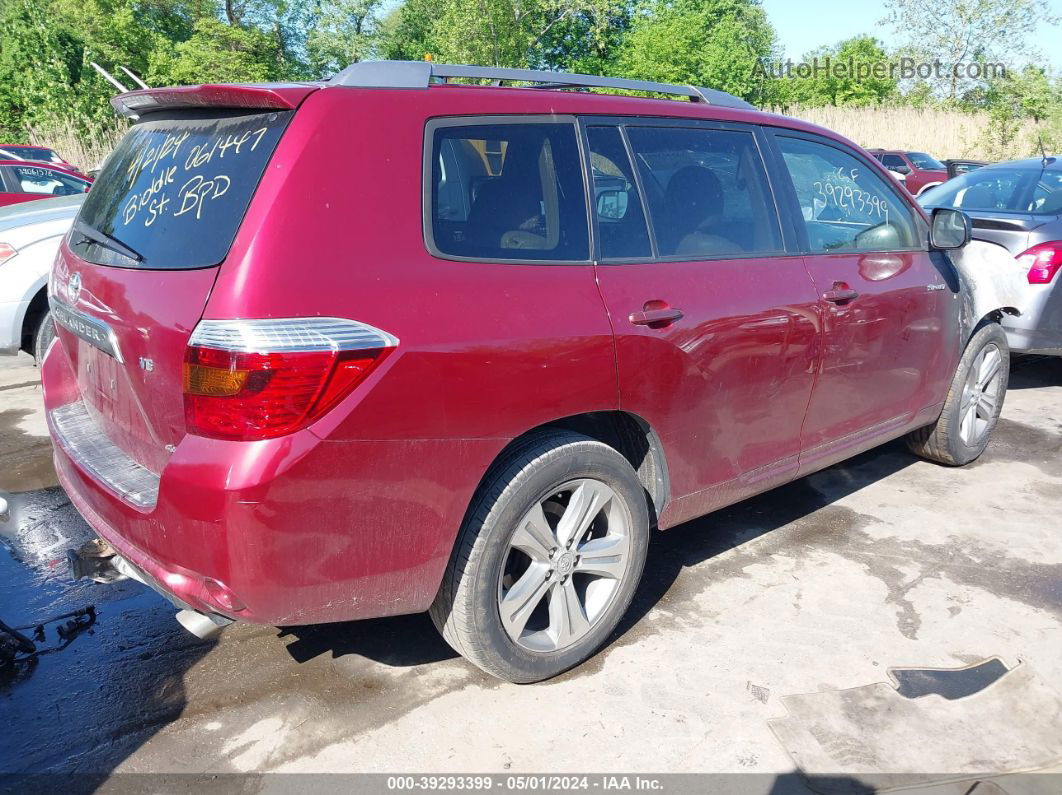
(1043, 262)
(250, 394)
(6, 252)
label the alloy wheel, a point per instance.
(564, 565)
(980, 395)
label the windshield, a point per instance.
(1000, 189)
(176, 189)
(925, 162)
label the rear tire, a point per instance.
(555, 542)
(43, 337)
(974, 402)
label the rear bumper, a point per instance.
(1038, 329)
(288, 531)
(1033, 341)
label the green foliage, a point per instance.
(343, 33)
(850, 73)
(586, 40)
(42, 69)
(216, 52)
(715, 43)
(1014, 100)
(578, 35)
(407, 32)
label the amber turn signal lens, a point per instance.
(212, 381)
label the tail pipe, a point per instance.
(202, 625)
(97, 561)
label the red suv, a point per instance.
(920, 171)
(470, 368)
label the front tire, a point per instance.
(547, 560)
(973, 405)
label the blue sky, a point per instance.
(803, 25)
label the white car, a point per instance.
(30, 233)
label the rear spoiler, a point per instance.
(265, 96)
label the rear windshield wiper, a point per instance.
(105, 240)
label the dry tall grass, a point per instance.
(86, 146)
(941, 133)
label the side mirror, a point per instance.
(905, 170)
(612, 204)
(949, 229)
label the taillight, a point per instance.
(259, 379)
(6, 252)
(1043, 262)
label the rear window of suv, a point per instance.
(176, 189)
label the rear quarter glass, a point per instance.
(176, 188)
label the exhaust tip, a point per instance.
(202, 625)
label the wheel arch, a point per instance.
(37, 309)
(992, 316)
(627, 433)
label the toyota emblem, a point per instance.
(73, 287)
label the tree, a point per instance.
(217, 52)
(714, 43)
(43, 70)
(964, 31)
(1014, 100)
(343, 32)
(587, 39)
(407, 32)
(852, 72)
(520, 33)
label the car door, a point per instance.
(888, 310)
(714, 320)
(10, 191)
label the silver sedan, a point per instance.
(1017, 206)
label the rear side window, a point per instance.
(846, 204)
(895, 162)
(507, 192)
(176, 188)
(47, 182)
(707, 192)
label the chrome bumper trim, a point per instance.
(77, 433)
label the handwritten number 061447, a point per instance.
(193, 191)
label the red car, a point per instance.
(921, 171)
(471, 368)
(24, 181)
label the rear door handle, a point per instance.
(840, 294)
(656, 318)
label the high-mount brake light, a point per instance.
(1043, 262)
(259, 379)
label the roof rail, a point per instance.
(420, 74)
